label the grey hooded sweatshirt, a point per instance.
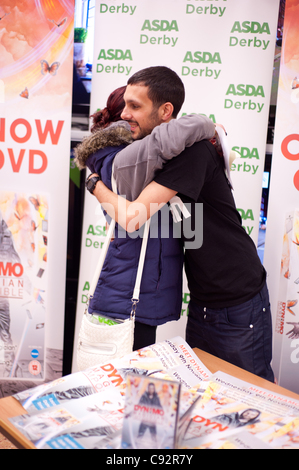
(136, 165)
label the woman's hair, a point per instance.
(112, 112)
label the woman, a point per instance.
(161, 287)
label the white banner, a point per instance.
(282, 240)
(36, 66)
(223, 51)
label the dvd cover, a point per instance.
(151, 413)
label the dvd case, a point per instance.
(151, 413)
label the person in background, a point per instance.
(135, 165)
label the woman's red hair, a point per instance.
(112, 112)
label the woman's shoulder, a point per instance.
(117, 134)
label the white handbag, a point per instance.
(100, 343)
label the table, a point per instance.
(9, 407)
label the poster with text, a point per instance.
(36, 71)
(24, 221)
(282, 240)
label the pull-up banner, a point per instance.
(224, 51)
(36, 66)
(282, 241)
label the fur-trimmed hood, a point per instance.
(117, 134)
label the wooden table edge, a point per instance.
(14, 436)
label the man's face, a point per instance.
(139, 111)
(151, 390)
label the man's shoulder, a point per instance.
(203, 149)
(203, 145)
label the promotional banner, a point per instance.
(282, 240)
(36, 67)
(224, 52)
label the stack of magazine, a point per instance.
(160, 397)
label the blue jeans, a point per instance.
(240, 335)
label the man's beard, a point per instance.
(153, 122)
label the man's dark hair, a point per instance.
(164, 86)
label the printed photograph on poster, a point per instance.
(287, 314)
(23, 284)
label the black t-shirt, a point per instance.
(226, 271)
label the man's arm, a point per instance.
(137, 165)
(132, 215)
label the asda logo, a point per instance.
(246, 214)
(245, 152)
(251, 27)
(248, 218)
(245, 90)
(160, 25)
(202, 57)
(115, 54)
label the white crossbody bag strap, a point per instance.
(136, 293)
(102, 259)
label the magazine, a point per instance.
(85, 410)
(230, 406)
(103, 408)
(93, 422)
(169, 360)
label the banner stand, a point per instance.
(222, 81)
(282, 239)
(36, 72)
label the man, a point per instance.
(150, 399)
(229, 311)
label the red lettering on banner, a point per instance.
(291, 156)
(42, 134)
(37, 171)
(285, 150)
(15, 124)
(2, 129)
(16, 165)
(21, 132)
(9, 269)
